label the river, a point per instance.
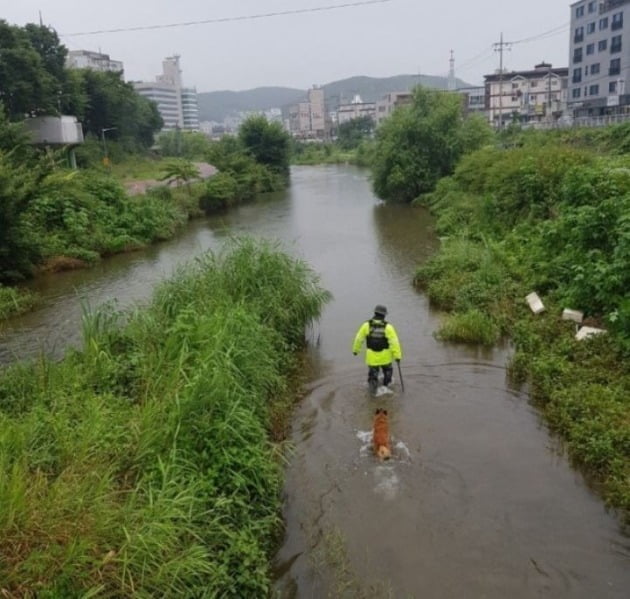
(478, 501)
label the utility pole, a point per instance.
(549, 94)
(499, 47)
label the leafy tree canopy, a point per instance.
(421, 143)
(352, 133)
(268, 143)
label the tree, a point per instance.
(421, 143)
(110, 103)
(352, 133)
(268, 143)
(26, 86)
(179, 171)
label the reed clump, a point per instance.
(142, 465)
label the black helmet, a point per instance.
(380, 310)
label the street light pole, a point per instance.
(105, 156)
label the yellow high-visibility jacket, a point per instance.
(378, 358)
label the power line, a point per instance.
(231, 19)
(550, 33)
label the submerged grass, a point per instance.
(14, 301)
(142, 465)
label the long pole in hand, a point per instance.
(402, 384)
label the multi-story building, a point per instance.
(386, 105)
(318, 112)
(355, 110)
(307, 120)
(599, 59)
(474, 99)
(85, 59)
(190, 109)
(527, 96)
(177, 104)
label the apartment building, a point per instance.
(388, 103)
(355, 110)
(177, 104)
(307, 120)
(85, 59)
(599, 58)
(474, 99)
(535, 95)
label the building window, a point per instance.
(579, 35)
(590, 28)
(615, 66)
(617, 21)
(612, 87)
(595, 68)
(577, 75)
(586, 71)
(577, 55)
(603, 23)
(615, 44)
(590, 49)
(602, 45)
(591, 6)
(593, 90)
(579, 12)
(534, 83)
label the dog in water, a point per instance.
(380, 435)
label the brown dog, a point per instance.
(380, 435)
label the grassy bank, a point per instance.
(331, 153)
(15, 301)
(143, 465)
(550, 216)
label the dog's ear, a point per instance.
(384, 412)
(377, 411)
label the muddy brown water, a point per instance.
(478, 500)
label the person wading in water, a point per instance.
(383, 347)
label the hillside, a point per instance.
(215, 106)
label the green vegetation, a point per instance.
(547, 213)
(311, 153)
(420, 143)
(15, 301)
(146, 463)
(35, 82)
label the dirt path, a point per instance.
(138, 187)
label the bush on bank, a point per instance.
(142, 465)
(555, 219)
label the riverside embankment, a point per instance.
(479, 500)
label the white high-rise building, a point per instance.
(177, 104)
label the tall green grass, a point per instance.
(15, 301)
(142, 465)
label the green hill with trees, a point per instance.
(215, 106)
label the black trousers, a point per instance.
(388, 371)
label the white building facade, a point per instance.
(177, 104)
(526, 96)
(85, 59)
(355, 110)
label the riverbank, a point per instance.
(145, 463)
(549, 218)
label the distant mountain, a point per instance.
(215, 106)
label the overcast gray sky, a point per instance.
(298, 50)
